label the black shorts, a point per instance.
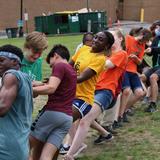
(149, 72)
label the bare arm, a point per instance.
(135, 59)
(48, 88)
(109, 64)
(85, 75)
(71, 62)
(8, 93)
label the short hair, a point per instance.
(60, 50)
(120, 35)
(36, 40)
(13, 49)
(153, 26)
(135, 31)
(147, 35)
(88, 36)
(109, 39)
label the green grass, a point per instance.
(138, 140)
(69, 41)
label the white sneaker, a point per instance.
(81, 148)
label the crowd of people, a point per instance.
(97, 87)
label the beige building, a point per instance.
(123, 9)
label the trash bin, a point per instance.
(11, 32)
(97, 21)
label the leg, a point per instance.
(71, 133)
(36, 148)
(137, 87)
(107, 117)
(48, 152)
(99, 128)
(117, 107)
(154, 87)
(124, 100)
(83, 128)
(138, 95)
(153, 91)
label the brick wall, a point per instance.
(132, 8)
(10, 9)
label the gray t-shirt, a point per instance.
(15, 125)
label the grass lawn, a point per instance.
(137, 140)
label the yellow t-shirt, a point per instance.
(94, 61)
(82, 49)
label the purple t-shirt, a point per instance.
(61, 100)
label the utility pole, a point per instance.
(21, 19)
(26, 19)
(88, 5)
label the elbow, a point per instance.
(51, 90)
(80, 79)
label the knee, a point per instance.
(143, 78)
(127, 92)
(84, 122)
(140, 94)
(153, 78)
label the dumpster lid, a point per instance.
(66, 12)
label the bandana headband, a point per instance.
(9, 55)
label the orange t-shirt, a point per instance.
(133, 47)
(109, 79)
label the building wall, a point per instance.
(132, 9)
(128, 10)
(10, 9)
(151, 10)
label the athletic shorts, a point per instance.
(131, 80)
(103, 98)
(51, 127)
(82, 106)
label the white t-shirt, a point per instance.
(0, 81)
(78, 47)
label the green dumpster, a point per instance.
(74, 23)
(11, 32)
(58, 23)
(41, 24)
(97, 20)
(61, 23)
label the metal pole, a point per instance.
(21, 19)
(26, 20)
(88, 5)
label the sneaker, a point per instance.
(145, 100)
(151, 108)
(120, 121)
(116, 125)
(125, 118)
(63, 150)
(101, 139)
(110, 129)
(81, 148)
(130, 111)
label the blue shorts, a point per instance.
(131, 80)
(82, 106)
(103, 98)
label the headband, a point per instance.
(9, 55)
